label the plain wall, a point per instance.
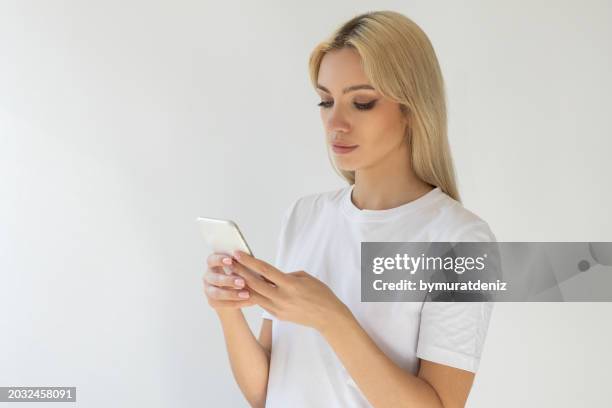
(123, 121)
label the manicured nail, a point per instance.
(243, 294)
(239, 282)
(227, 261)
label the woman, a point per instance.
(383, 110)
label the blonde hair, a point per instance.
(400, 62)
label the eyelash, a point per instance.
(360, 106)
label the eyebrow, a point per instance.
(348, 89)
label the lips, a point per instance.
(342, 149)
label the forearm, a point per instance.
(248, 359)
(380, 380)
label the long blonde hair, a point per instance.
(400, 62)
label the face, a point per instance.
(356, 115)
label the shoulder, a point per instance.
(456, 223)
(315, 203)
(304, 210)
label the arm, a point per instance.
(384, 383)
(249, 359)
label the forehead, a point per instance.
(340, 68)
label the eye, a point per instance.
(360, 106)
(365, 106)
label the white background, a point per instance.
(122, 121)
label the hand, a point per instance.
(221, 288)
(297, 297)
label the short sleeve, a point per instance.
(280, 250)
(453, 333)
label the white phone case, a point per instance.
(223, 236)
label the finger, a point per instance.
(230, 304)
(222, 280)
(264, 302)
(218, 293)
(220, 260)
(263, 268)
(254, 281)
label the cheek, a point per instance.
(383, 131)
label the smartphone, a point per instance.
(223, 236)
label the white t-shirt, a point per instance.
(322, 234)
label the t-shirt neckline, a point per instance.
(356, 214)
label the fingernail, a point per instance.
(227, 261)
(239, 282)
(243, 294)
(237, 254)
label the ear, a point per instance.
(406, 121)
(405, 112)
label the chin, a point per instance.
(346, 165)
(348, 162)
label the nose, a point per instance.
(336, 121)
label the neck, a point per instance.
(389, 183)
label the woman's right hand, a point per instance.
(222, 289)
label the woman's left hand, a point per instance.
(297, 297)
